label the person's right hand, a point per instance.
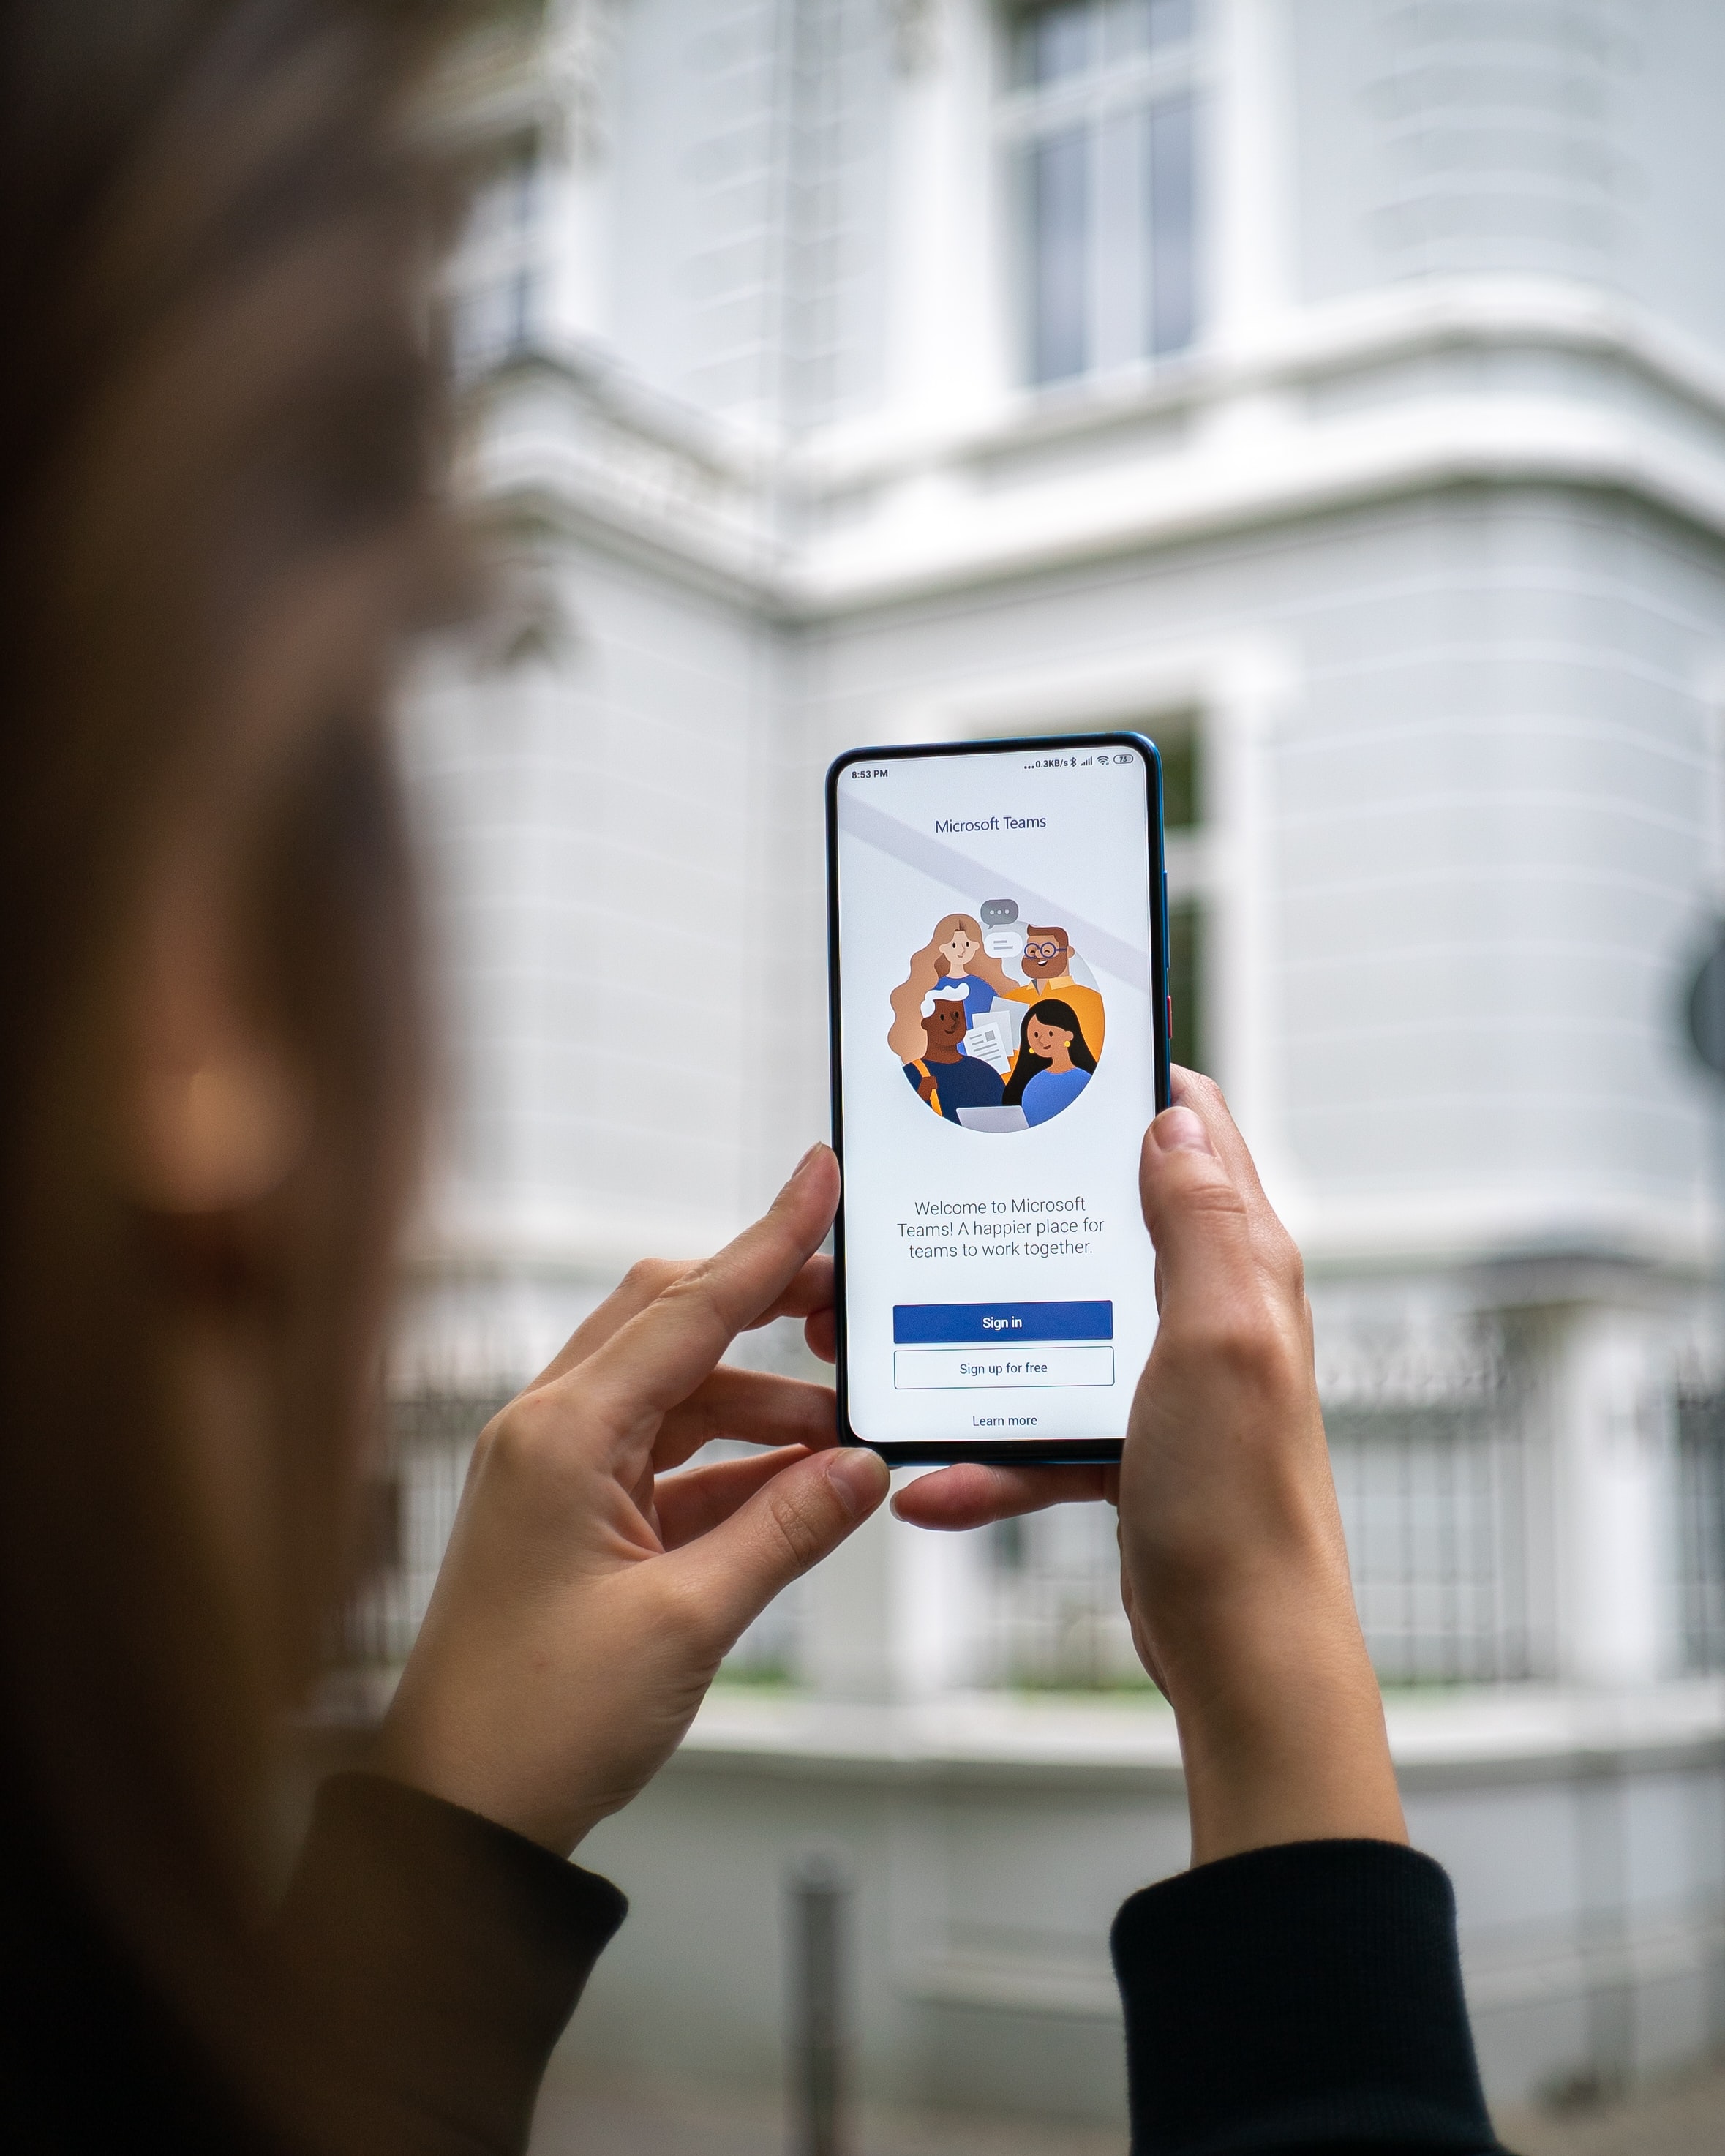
(1233, 1567)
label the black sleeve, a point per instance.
(442, 1955)
(1299, 1998)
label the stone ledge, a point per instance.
(1468, 1737)
(1488, 1734)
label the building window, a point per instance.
(1187, 861)
(496, 273)
(1701, 1511)
(1098, 118)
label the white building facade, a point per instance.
(1336, 390)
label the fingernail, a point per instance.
(801, 1165)
(1179, 1130)
(859, 1477)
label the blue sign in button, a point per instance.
(966, 1324)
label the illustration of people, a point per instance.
(952, 958)
(1054, 1061)
(1047, 957)
(943, 1075)
(962, 1024)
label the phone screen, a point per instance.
(998, 985)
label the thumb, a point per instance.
(785, 1529)
(1197, 1216)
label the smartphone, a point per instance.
(997, 948)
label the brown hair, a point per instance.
(905, 1038)
(217, 420)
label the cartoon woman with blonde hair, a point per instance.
(954, 957)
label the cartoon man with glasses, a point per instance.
(1047, 957)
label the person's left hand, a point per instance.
(588, 1597)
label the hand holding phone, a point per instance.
(1233, 1567)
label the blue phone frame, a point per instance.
(1033, 1452)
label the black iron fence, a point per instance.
(1434, 1497)
(413, 1503)
(1433, 1501)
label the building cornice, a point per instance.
(936, 508)
(1293, 473)
(575, 444)
(1298, 349)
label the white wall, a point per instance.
(599, 839)
(1571, 141)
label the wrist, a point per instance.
(1281, 1728)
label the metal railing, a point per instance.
(431, 1441)
(1434, 1501)
(1430, 1456)
(1053, 1615)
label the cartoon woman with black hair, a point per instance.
(1054, 1063)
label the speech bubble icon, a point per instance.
(998, 910)
(1003, 942)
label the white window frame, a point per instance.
(1118, 268)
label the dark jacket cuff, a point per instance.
(442, 1953)
(1299, 1997)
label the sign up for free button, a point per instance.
(949, 1369)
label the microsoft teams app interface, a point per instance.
(998, 1037)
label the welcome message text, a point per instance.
(999, 1228)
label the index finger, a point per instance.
(810, 1291)
(663, 1352)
